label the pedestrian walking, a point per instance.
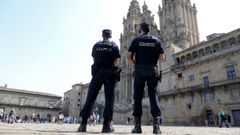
(223, 119)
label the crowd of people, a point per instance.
(11, 117)
(221, 119)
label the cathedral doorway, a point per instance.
(236, 117)
(210, 121)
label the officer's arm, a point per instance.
(116, 62)
(162, 57)
(130, 57)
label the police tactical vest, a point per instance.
(147, 51)
(104, 54)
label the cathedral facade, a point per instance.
(199, 78)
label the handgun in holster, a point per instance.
(94, 69)
(116, 73)
(160, 76)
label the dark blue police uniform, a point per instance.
(104, 54)
(146, 49)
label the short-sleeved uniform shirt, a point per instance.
(146, 49)
(105, 53)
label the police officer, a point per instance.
(106, 55)
(147, 50)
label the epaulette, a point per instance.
(99, 42)
(113, 43)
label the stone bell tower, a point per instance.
(178, 22)
(131, 27)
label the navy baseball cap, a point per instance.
(106, 33)
(145, 27)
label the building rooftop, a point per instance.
(5, 88)
(205, 43)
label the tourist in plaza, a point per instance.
(97, 118)
(92, 119)
(38, 118)
(147, 50)
(229, 118)
(106, 56)
(11, 117)
(60, 118)
(128, 120)
(161, 120)
(223, 119)
(1, 114)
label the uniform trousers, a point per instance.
(102, 77)
(146, 74)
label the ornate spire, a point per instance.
(147, 17)
(134, 9)
(144, 7)
(194, 6)
(159, 8)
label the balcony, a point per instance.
(200, 87)
(178, 67)
(181, 66)
(214, 55)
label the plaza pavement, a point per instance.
(70, 129)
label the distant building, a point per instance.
(74, 100)
(214, 35)
(25, 102)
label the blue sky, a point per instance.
(45, 45)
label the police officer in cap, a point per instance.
(105, 55)
(147, 50)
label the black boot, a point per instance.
(107, 127)
(83, 126)
(137, 125)
(156, 124)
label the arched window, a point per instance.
(194, 55)
(183, 59)
(208, 50)
(201, 52)
(232, 41)
(224, 45)
(189, 57)
(178, 60)
(216, 47)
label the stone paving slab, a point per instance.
(70, 129)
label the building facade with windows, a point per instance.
(206, 79)
(75, 98)
(199, 78)
(24, 102)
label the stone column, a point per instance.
(172, 15)
(189, 17)
(180, 13)
(184, 14)
(190, 24)
(194, 27)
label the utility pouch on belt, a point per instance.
(160, 76)
(116, 73)
(94, 69)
